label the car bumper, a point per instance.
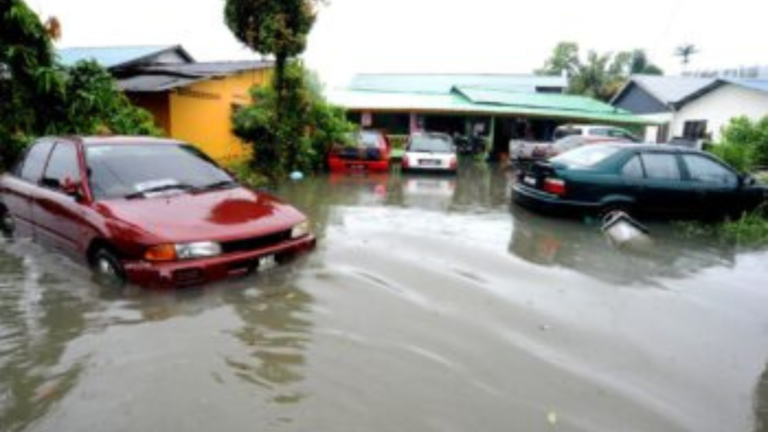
(342, 165)
(547, 203)
(201, 271)
(429, 169)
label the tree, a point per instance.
(272, 27)
(41, 97)
(309, 123)
(565, 58)
(601, 75)
(685, 52)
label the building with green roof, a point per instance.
(498, 107)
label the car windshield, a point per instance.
(367, 139)
(587, 156)
(431, 144)
(120, 171)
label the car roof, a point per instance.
(650, 147)
(118, 140)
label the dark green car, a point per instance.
(654, 180)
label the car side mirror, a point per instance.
(746, 180)
(71, 187)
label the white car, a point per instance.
(596, 131)
(430, 152)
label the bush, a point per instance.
(744, 143)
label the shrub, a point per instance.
(744, 143)
(739, 156)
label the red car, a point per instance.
(370, 152)
(150, 211)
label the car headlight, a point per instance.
(300, 230)
(197, 250)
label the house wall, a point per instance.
(201, 113)
(719, 107)
(158, 104)
(638, 101)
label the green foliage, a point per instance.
(744, 144)
(41, 97)
(295, 134)
(750, 230)
(601, 75)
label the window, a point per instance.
(34, 162)
(633, 169)
(622, 134)
(117, 171)
(63, 164)
(705, 170)
(587, 156)
(661, 166)
(695, 130)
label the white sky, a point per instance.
(491, 36)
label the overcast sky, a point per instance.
(491, 36)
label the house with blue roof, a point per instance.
(691, 108)
(191, 101)
(704, 113)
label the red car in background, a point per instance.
(149, 211)
(366, 151)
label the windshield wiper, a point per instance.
(224, 184)
(160, 188)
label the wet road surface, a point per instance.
(429, 305)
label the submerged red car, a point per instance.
(367, 151)
(154, 212)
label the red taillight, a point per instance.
(454, 163)
(554, 186)
(405, 161)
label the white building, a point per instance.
(705, 113)
(692, 108)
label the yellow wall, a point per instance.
(201, 113)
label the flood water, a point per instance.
(430, 304)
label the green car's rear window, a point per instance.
(586, 156)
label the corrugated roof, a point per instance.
(208, 68)
(538, 100)
(157, 78)
(669, 90)
(444, 83)
(565, 107)
(111, 57)
(760, 85)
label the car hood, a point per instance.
(217, 215)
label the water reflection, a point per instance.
(761, 403)
(581, 246)
(38, 318)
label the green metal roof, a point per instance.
(473, 101)
(445, 83)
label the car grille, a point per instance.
(255, 243)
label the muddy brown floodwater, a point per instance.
(429, 305)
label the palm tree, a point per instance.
(685, 52)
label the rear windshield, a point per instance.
(431, 144)
(587, 156)
(368, 139)
(116, 171)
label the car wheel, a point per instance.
(7, 224)
(107, 268)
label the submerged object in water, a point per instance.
(623, 231)
(297, 176)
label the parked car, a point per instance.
(430, 152)
(154, 212)
(367, 151)
(614, 132)
(646, 179)
(565, 138)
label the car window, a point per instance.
(661, 166)
(431, 143)
(600, 132)
(34, 162)
(62, 164)
(116, 171)
(705, 170)
(633, 169)
(369, 139)
(565, 132)
(587, 156)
